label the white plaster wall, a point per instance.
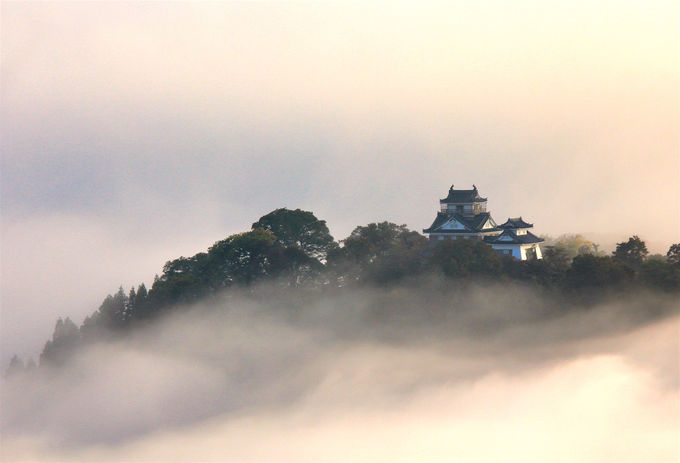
(515, 248)
(525, 247)
(523, 252)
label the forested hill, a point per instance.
(293, 249)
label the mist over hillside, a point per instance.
(463, 363)
(148, 315)
(283, 323)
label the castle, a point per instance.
(463, 215)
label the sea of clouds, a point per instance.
(416, 373)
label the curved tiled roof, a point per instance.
(438, 222)
(472, 224)
(516, 222)
(510, 237)
(463, 196)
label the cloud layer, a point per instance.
(374, 375)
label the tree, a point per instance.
(572, 245)
(556, 259)
(141, 303)
(552, 269)
(673, 254)
(403, 259)
(131, 304)
(113, 308)
(465, 257)
(182, 288)
(379, 252)
(111, 315)
(185, 279)
(298, 228)
(661, 273)
(245, 257)
(589, 271)
(365, 244)
(632, 252)
(65, 338)
(296, 268)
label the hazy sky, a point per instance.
(133, 133)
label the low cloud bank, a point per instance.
(405, 374)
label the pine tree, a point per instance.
(66, 337)
(130, 307)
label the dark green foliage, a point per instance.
(112, 311)
(673, 254)
(365, 244)
(549, 272)
(238, 260)
(65, 339)
(176, 288)
(556, 259)
(379, 253)
(297, 268)
(183, 280)
(660, 274)
(589, 271)
(294, 249)
(113, 315)
(141, 306)
(243, 258)
(632, 252)
(401, 260)
(300, 229)
(464, 258)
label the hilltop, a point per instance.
(293, 250)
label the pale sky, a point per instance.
(133, 133)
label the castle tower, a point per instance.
(463, 215)
(467, 203)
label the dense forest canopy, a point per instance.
(293, 249)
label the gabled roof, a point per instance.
(510, 237)
(470, 224)
(478, 221)
(440, 220)
(463, 196)
(516, 222)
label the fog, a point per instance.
(421, 372)
(133, 133)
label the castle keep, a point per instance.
(463, 215)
